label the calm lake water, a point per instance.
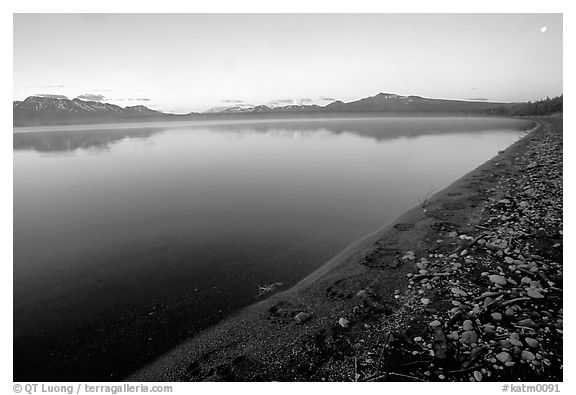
(127, 241)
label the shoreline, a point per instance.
(335, 304)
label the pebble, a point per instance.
(469, 337)
(435, 323)
(343, 322)
(497, 279)
(534, 294)
(425, 301)
(532, 343)
(515, 340)
(496, 316)
(527, 322)
(504, 357)
(528, 355)
(302, 317)
(458, 291)
(468, 325)
(477, 375)
(488, 328)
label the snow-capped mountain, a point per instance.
(52, 110)
(249, 108)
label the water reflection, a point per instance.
(97, 141)
(379, 129)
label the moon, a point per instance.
(543, 29)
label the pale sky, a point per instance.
(192, 62)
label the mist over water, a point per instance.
(127, 241)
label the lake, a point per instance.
(129, 239)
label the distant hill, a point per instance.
(389, 102)
(382, 102)
(37, 110)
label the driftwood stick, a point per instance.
(512, 301)
(465, 370)
(382, 353)
(404, 376)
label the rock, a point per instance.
(526, 280)
(362, 294)
(509, 312)
(477, 375)
(496, 316)
(343, 322)
(532, 343)
(528, 356)
(488, 301)
(302, 317)
(458, 291)
(504, 357)
(469, 337)
(468, 325)
(515, 340)
(504, 201)
(418, 339)
(488, 328)
(534, 294)
(497, 279)
(425, 301)
(435, 323)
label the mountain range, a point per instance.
(36, 110)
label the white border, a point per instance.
(304, 6)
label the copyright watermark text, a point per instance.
(40, 388)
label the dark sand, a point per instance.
(368, 284)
